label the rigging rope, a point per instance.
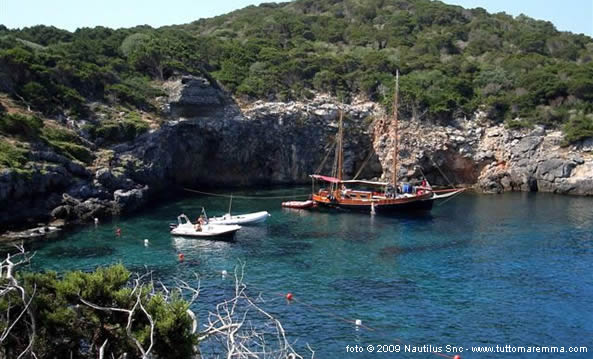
(438, 168)
(245, 197)
(364, 163)
(328, 152)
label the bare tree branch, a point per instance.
(12, 284)
(102, 349)
(242, 327)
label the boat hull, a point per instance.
(220, 232)
(414, 206)
(419, 203)
(298, 204)
(242, 219)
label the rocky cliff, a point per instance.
(206, 139)
(489, 157)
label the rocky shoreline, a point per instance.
(491, 158)
(206, 138)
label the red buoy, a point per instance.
(181, 257)
(457, 357)
(118, 231)
(289, 296)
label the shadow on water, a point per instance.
(412, 216)
(80, 252)
(352, 235)
(158, 272)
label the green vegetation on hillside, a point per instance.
(31, 129)
(453, 61)
(113, 131)
(12, 156)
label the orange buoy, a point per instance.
(457, 357)
(289, 296)
(181, 257)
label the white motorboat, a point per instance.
(207, 230)
(248, 218)
(228, 218)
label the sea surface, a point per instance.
(513, 269)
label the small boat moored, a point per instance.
(298, 204)
(207, 230)
(248, 218)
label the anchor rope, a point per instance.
(245, 197)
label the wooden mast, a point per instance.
(340, 147)
(395, 130)
(339, 158)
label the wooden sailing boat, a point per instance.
(386, 197)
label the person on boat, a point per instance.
(198, 227)
(201, 219)
(345, 192)
(420, 189)
(389, 191)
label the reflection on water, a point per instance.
(195, 246)
(513, 268)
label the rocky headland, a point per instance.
(204, 138)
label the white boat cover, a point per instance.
(248, 218)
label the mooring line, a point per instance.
(245, 197)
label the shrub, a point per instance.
(11, 156)
(67, 143)
(73, 151)
(517, 124)
(579, 127)
(54, 133)
(113, 131)
(20, 125)
(135, 91)
(68, 328)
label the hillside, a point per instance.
(78, 110)
(453, 60)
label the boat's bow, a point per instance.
(442, 194)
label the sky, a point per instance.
(568, 15)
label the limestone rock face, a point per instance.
(489, 157)
(267, 143)
(130, 200)
(29, 196)
(193, 96)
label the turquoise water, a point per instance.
(513, 269)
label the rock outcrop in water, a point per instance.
(206, 139)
